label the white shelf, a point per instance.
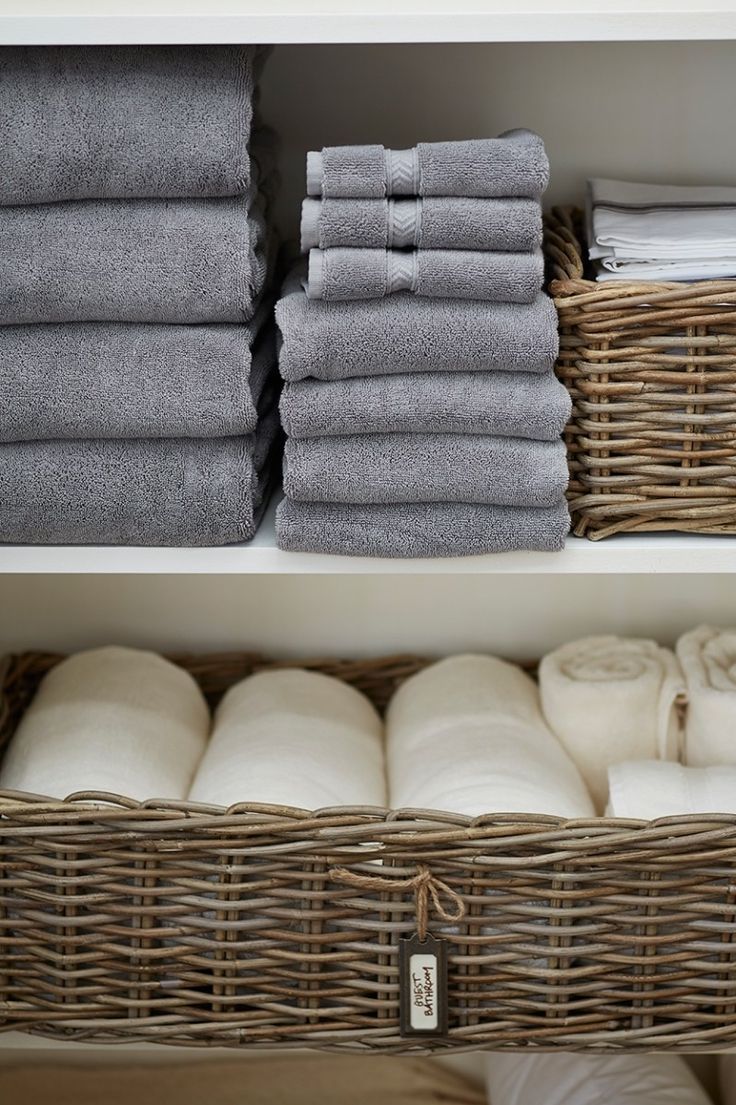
(307, 21)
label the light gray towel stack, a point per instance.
(421, 407)
(137, 349)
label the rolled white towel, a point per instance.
(609, 699)
(466, 735)
(646, 789)
(111, 719)
(293, 738)
(708, 659)
(560, 1078)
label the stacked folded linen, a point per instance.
(422, 411)
(137, 356)
(661, 231)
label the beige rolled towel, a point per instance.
(646, 789)
(609, 699)
(293, 738)
(708, 659)
(120, 720)
(467, 735)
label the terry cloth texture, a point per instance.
(407, 333)
(110, 122)
(411, 468)
(437, 222)
(506, 404)
(514, 164)
(181, 261)
(418, 529)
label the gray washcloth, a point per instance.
(406, 333)
(108, 122)
(146, 260)
(509, 404)
(416, 468)
(124, 380)
(418, 529)
(514, 164)
(437, 222)
(182, 491)
(339, 274)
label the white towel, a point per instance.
(293, 738)
(646, 789)
(466, 735)
(111, 719)
(609, 699)
(708, 659)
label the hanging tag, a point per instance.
(423, 989)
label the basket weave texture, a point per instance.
(263, 926)
(652, 373)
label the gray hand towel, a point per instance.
(339, 274)
(124, 380)
(508, 404)
(418, 529)
(143, 260)
(107, 122)
(514, 164)
(406, 333)
(414, 468)
(437, 222)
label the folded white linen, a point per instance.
(708, 659)
(293, 738)
(467, 735)
(609, 699)
(113, 719)
(721, 268)
(647, 789)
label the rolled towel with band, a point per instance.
(708, 659)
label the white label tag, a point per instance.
(423, 1001)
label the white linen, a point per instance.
(647, 789)
(708, 659)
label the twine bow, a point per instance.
(426, 886)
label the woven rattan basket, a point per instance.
(652, 373)
(263, 926)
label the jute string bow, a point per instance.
(426, 886)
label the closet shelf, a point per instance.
(312, 21)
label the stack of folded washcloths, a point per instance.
(422, 413)
(137, 353)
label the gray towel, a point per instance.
(415, 468)
(107, 122)
(418, 529)
(182, 491)
(338, 274)
(146, 260)
(437, 222)
(514, 164)
(509, 404)
(406, 333)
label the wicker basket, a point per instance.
(263, 926)
(652, 373)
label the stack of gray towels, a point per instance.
(138, 380)
(422, 412)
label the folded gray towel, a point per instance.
(508, 404)
(109, 122)
(418, 529)
(514, 164)
(437, 222)
(339, 274)
(416, 468)
(148, 260)
(181, 491)
(406, 333)
(123, 380)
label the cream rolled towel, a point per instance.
(708, 659)
(646, 789)
(293, 738)
(113, 719)
(609, 699)
(467, 735)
